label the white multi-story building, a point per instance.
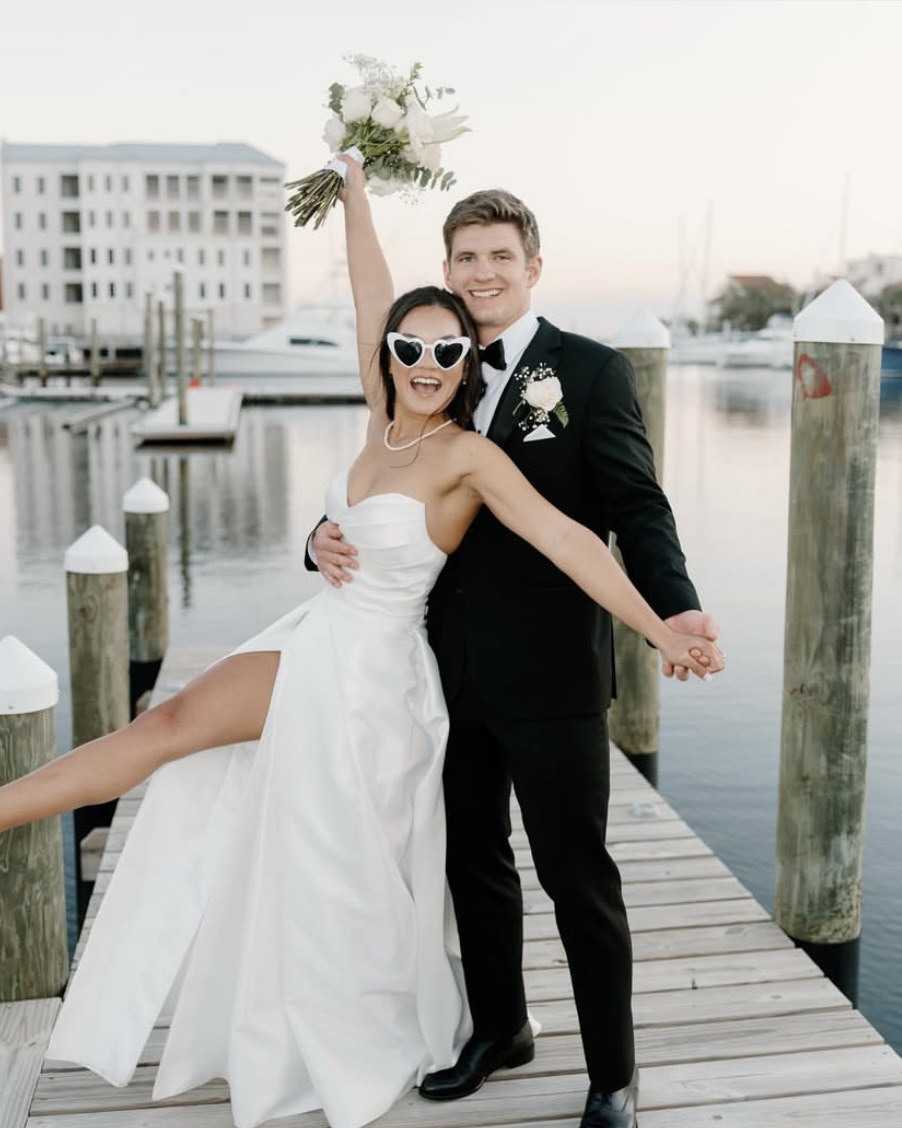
(90, 230)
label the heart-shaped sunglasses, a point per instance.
(410, 351)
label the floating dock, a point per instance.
(735, 1026)
(212, 417)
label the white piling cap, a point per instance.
(642, 330)
(27, 684)
(96, 553)
(145, 496)
(840, 316)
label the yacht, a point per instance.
(300, 345)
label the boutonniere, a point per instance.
(540, 398)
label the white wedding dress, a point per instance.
(287, 900)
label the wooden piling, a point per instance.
(146, 507)
(34, 954)
(97, 598)
(197, 333)
(211, 351)
(149, 360)
(835, 408)
(42, 351)
(95, 355)
(180, 371)
(161, 350)
(634, 718)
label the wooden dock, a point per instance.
(735, 1027)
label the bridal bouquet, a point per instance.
(385, 117)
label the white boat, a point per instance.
(770, 347)
(298, 346)
(696, 348)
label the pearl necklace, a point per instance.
(413, 442)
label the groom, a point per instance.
(526, 664)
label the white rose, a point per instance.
(543, 394)
(418, 125)
(356, 104)
(380, 187)
(387, 113)
(334, 133)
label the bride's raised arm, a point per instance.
(371, 283)
(578, 552)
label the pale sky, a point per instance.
(631, 128)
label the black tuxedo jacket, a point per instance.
(508, 626)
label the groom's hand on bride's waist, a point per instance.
(335, 558)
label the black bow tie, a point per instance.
(493, 355)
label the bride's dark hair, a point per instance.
(470, 391)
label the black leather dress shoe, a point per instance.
(478, 1058)
(611, 1110)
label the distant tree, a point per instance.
(888, 304)
(748, 301)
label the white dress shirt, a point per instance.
(515, 337)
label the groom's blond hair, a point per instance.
(493, 205)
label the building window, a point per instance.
(194, 222)
(220, 258)
(109, 219)
(91, 218)
(93, 289)
(246, 258)
(74, 293)
(124, 183)
(192, 187)
(201, 257)
(220, 223)
(270, 181)
(126, 219)
(108, 183)
(180, 255)
(112, 289)
(17, 185)
(201, 290)
(45, 292)
(42, 221)
(110, 257)
(272, 293)
(270, 258)
(71, 258)
(20, 291)
(219, 186)
(152, 187)
(92, 256)
(69, 187)
(245, 186)
(174, 221)
(72, 222)
(221, 289)
(269, 223)
(17, 221)
(128, 256)
(150, 256)
(91, 183)
(247, 290)
(172, 187)
(129, 290)
(245, 226)
(20, 258)
(40, 185)
(44, 258)
(153, 221)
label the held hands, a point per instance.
(335, 558)
(698, 623)
(689, 653)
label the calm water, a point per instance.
(238, 525)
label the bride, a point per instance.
(283, 904)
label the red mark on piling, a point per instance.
(814, 380)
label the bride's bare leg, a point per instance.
(226, 704)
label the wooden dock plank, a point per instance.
(24, 1032)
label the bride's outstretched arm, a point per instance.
(226, 704)
(371, 283)
(578, 552)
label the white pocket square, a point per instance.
(540, 432)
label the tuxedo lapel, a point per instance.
(544, 346)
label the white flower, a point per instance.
(334, 133)
(387, 113)
(380, 187)
(356, 104)
(544, 394)
(418, 125)
(447, 126)
(432, 157)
